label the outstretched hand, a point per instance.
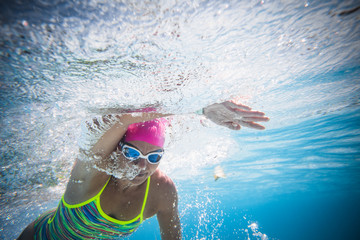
(233, 116)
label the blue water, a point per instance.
(310, 192)
(299, 62)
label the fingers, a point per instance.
(255, 119)
(251, 125)
(249, 113)
(234, 116)
(234, 106)
(244, 111)
(237, 126)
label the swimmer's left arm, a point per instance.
(234, 115)
(168, 215)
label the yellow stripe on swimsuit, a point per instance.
(85, 221)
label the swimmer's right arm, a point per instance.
(110, 139)
(90, 173)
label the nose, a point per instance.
(141, 163)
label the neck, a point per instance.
(125, 185)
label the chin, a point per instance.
(140, 178)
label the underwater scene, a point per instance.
(65, 61)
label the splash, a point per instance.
(253, 229)
(126, 170)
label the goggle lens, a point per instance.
(154, 158)
(132, 154)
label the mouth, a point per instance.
(142, 174)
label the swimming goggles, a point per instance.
(132, 153)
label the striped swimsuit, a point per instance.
(85, 221)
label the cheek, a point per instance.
(118, 162)
(117, 157)
(152, 167)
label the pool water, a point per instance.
(298, 61)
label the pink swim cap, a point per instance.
(152, 132)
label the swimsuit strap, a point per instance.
(97, 196)
(145, 198)
(138, 217)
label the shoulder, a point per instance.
(163, 188)
(84, 182)
(167, 206)
(161, 182)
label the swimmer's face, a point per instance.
(143, 167)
